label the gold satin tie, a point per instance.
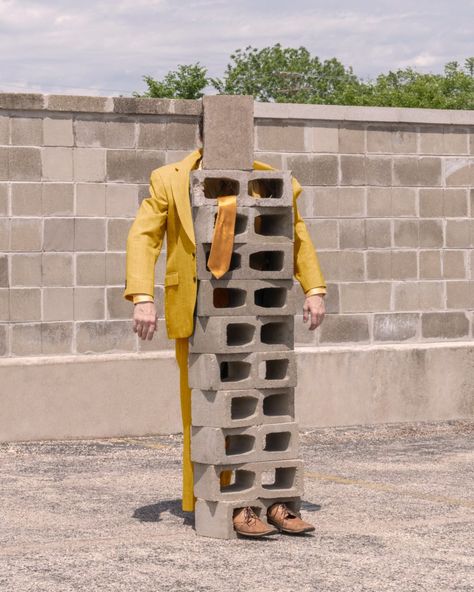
(223, 237)
(224, 231)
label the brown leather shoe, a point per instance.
(287, 521)
(247, 523)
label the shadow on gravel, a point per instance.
(153, 513)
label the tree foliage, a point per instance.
(291, 75)
(285, 75)
(187, 82)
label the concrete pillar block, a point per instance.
(236, 408)
(266, 479)
(214, 519)
(247, 444)
(245, 297)
(257, 224)
(242, 334)
(228, 132)
(274, 187)
(245, 370)
(249, 261)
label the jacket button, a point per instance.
(194, 278)
(194, 255)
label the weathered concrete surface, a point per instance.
(116, 394)
(392, 506)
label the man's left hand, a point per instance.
(313, 310)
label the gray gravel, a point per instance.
(393, 507)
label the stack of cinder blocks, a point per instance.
(242, 367)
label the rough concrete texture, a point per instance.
(273, 187)
(247, 444)
(129, 394)
(265, 479)
(218, 334)
(251, 370)
(239, 408)
(257, 224)
(228, 132)
(248, 297)
(250, 261)
(392, 506)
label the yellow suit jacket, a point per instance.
(168, 209)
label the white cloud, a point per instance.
(105, 46)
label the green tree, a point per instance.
(187, 82)
(285, 74)
(291, 75)
(407, 88)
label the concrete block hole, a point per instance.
(275, 333)
(242, 407)
(280, 478)
(267, 260)
(270, 297)
(234, 371)
(278, 404)
(266, 188)
(240, 480)
(240, 334)
(220, 187)
(273, 225)
(239, 444)
(273, 369)
(228, 297)
(277, 441)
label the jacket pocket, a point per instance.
(171, 279)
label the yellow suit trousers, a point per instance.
(188, 499)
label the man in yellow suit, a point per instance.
(168, 209)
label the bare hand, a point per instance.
(144, 319)
(314, 309)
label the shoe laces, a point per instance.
(250, 517)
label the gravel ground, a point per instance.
(392, 504)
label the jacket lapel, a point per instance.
(180, 188)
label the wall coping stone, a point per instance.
(193, 108)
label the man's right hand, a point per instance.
(144, 319)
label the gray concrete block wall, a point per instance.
(388, 200)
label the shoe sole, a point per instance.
(256, 535)
(288, 531)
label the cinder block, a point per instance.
(318, 169)
(245, 297)
(273, 187)
(220, 334)
(235, 408)
(214, 519)
(251, 261)
(257, 224)
(228, 132)
(267, 479)
(246, 444)
(24, 164)
(58, 132)
(238, 371)
(26, 131)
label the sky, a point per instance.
(104, 47)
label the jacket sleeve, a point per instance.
(145, 239)
(306, 263)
